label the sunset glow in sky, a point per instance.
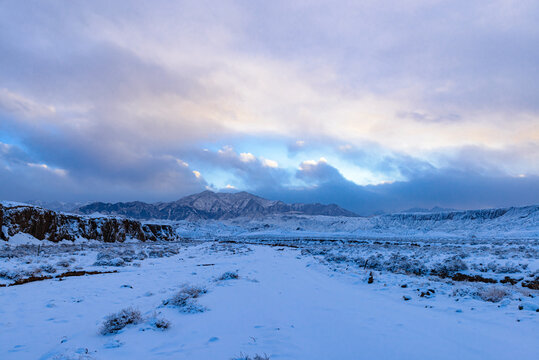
(374, 105)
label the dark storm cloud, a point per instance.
(447, 188)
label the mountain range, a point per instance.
(211, 205)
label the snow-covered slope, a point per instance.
(519, 222)
(501, 223)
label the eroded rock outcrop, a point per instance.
(49, 225)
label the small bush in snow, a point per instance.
(184, 300)
(4, 273)
(36, 271)
(105, 259)
(243, 356)
(141, 255)
(172, 251)
(402, 264)
(116, 322)
(48, 268)
(509, 268)
(492, 294)
(15, 274)
(336, 258)
(360, 261)
(314, 251)
(79, 354)
(229, 275)
(374, 262)
(449, 267)
(194, 291)
(156, 253)
(127, 255)
(463, 292)
(63, 263)
(104, 256)
(160, 323)
(192, 307)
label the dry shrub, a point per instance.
(243, 356)
(492, 294)
(184, 299)
(160, 323)
(229, 275)
(116, 322)
(63, 263)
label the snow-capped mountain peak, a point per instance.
(212, 205)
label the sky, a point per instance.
(377, 106)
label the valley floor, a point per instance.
(286, 304)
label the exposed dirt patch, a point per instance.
(60, 277)
(474, 278)
(532, 284)
(510, 280)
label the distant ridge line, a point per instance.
(212, 205)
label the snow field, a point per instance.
(284, 304)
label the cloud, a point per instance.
(14, 103)
(247, 157)
(423, 116)
(462, 190)
(159, 178)
(319, 171)
(244, 168)
(270, 163)
(442, 187)
(57, 171)
(296, 146)
(10, 154)
(408, 91)
(208, 81)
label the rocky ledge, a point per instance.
(52, 226)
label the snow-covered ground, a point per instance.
(508, 223)
(301, 301)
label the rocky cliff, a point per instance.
(50, 225)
